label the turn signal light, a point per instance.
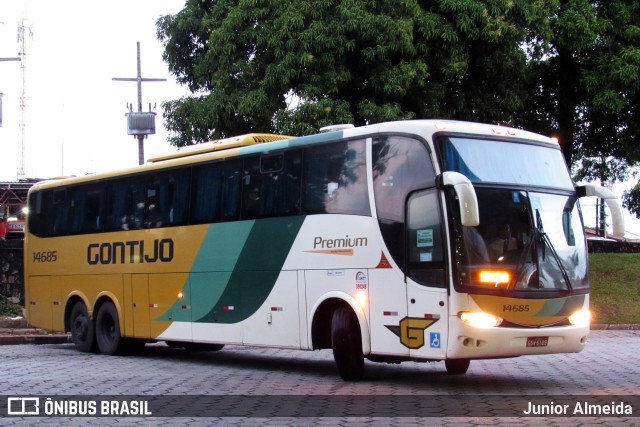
(497, 278)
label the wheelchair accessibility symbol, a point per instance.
(434, 339)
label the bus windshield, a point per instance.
(527, 240)
(505, 162)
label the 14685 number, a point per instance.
(516, 308)
(45, 256)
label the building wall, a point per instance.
(11, 270)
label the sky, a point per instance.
(75, 113)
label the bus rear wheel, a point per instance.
(108, 329)
(347, 344)
(82, 332)
(457, 366)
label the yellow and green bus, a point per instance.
(422, 240)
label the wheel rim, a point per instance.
(108, 329)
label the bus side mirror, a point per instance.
(466, 195)
(610, 199)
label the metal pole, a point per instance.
(139, 81)
(140, 137)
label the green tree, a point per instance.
(586, 82)
(353, 61)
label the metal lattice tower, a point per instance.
(25, 35)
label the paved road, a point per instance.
(286, 379)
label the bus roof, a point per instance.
(220, 144)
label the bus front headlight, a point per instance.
(479, 319)
(580, 318)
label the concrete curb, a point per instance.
(35, 339)
(15, 330)
(621, 327)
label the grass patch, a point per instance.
(7, 308)
(615, 287)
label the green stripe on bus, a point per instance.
(235, 270)
(258, 267)
(561, 306)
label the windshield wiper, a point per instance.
(542, 237)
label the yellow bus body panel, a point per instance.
(59, 268)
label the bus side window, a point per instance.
(46, 215)
(271, 185)
(56, 220)
(116, 209)
(280, 184)
(424, 236)
(86, 205)
(251, 188)
(133, 217)
(152, 214)
(93, 210)
(174, 198)
(206, 186)
(215, 192)
(230, 195)
(335, 179)
(400, 166)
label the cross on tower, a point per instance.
(140, 134)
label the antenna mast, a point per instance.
(140, 124)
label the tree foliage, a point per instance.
(354, 61)
(586, 87)
(569, 68)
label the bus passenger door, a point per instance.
(425, 328)
(388, 308)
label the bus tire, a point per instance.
(108, 329)
(457, 366)
(347, 344)
(81, 326)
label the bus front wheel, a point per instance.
(347, 344)
(457, 366)
(82, 332)
(108, 329)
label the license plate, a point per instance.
(537, 341)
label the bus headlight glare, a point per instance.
(580, 317)
(479, 319)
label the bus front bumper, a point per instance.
(467, 342)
